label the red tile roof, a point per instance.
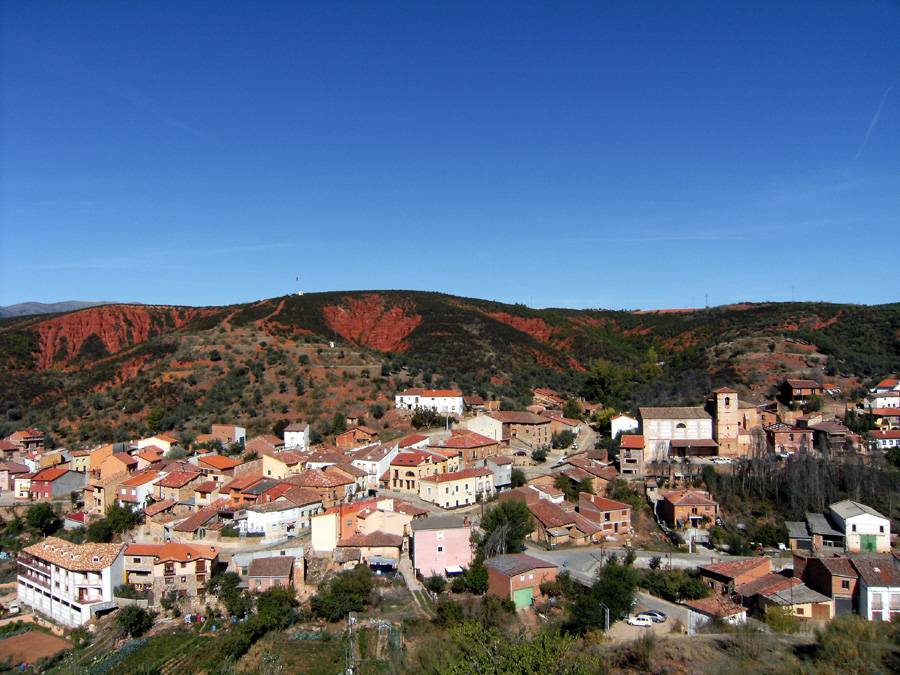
(735, 568)
(219, 462)
(377, 538)
(410, 458)
(457, 475)
(50, 474)
(464, 439)
(178, 479)
(688, 498)
(631, 442)
(141, 479)
(159, 507)
(412, 439)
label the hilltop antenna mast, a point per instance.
(299, 292)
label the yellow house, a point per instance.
(283, 464)
(80, 461)
(392, 522)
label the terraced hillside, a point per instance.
(109, 371)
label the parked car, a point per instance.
(654, 616)
(639, 621)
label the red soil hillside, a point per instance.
(117, 327)
(536, 327)
(371, 322)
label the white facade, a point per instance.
(885, 440)
(888, 399)
(879, 603)
(296, 439)
(486, 426)
(622, 424)
(660, 431)
(374, 462)
(68, 596)
(431, 400)
(450, 494)
(279, 522)
(863, 527)
(137, 495)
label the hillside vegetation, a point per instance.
(109, 372)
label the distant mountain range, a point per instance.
(32, 308)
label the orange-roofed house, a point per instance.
(355, 437)
(55, 483)
(217, 467)
(441, 401)
(79, 460)
(182, 569)
(117, 464)
(27, 439)
(136, 491)
(98, 456)
(555, 525)
(631, 456)
(471, 445)
(724, 577)
(413, 442)
(613, 517)
(688, 508)
(148, 457)
(457, 488)
(408, 468)
(178, 485)
(206, 493)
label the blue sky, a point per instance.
(580, 154)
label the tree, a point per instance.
(505, 527)
(607, 382)
(477, 578)
(276, 606)
(122, 518)
(377, 411)
(539, 455)
(615, 587)
(99, 532)
(43, 519)
(134, 620)
(562, 439)
(338, 423)
(448, 612)
(518, 478)
(572, 409)
(346, 592)
(436, 583)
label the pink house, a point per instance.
(441, 545)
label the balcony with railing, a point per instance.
(33, 562)
(34, 576)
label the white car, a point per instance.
(639, 621)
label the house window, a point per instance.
(854, 528)
(522, 578)
(800, 611)
(845, 583)
(440, 549)
(881, 529)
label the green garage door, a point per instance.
(522, 597)
(868, 543)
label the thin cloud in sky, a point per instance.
(874, 121)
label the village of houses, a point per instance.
(285, 512)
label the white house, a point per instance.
(622, 424)
(486, 426)
(70, 583)
(296, 436)
(443, 401)
(865, 530)
(879, 587)
(278, 520)
(887, 384)
(720, 607)
(661, 426)
(375, 460)
(457, 488)
(885, 440)
(162, 441)
(884, 399)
